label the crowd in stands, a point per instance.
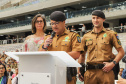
(11, 66)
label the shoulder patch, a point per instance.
(117, 38)
(79, 39)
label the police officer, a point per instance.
(64, 40)
(98, 44)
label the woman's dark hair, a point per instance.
(34, 20)
(5, 73)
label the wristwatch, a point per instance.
(114, 62)
(43, 47)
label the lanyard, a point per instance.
(1, 80)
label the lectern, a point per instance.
(43, 67)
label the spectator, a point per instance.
(15, 74)
(125, 27)
(9, 72)
(3, 75)
(7, 65)
(83, 30)
(14, 40)
(33, 42)
(121, 28)
(21, 40)
(15, 80)
(124, 74)
(3, 61)
(17, 50)
(8, 39)
(73, 29)
(120, 73)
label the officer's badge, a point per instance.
(105, 35)
(66, 39)
(117, 38)
(78, 38)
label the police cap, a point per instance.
(57, 16)
(98, 13)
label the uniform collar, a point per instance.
(65, 32)
(103, 30)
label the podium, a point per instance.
(43, 67)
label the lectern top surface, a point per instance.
(62, 55)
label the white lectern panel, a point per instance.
(35, 78)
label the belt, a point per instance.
(98, 66)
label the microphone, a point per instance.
(52, 35)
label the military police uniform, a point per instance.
(99, 48)
(68, 41)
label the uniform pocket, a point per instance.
(65, 46)
(105, 45)
(88, 76)
(89, 45)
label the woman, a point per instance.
(3, 75)
(33, 42)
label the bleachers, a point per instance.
(74, 14)
(10, 47)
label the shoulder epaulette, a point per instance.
(108, 29)
(73, 31)
(88, 31)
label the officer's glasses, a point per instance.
(38, 21)
(56, 23)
